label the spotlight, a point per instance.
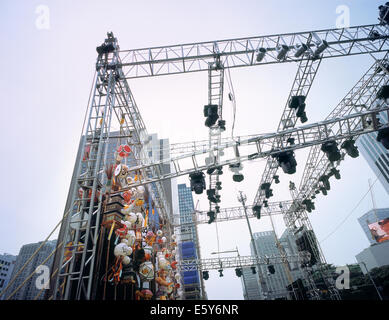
(286, 161)
(211, 170)
(210, 111)
(211, 195)
(298, 103)
(238, 177)
(197, 182)
(222, 125)
(383, 15)
(211, 216)
(218, 185)
(336, 173)
(290, 141)
(383, 93)
(253, 270)
(282, 51)
(320, 47)
(261, 54)
(220, 272)
(276, 179)
(383, 137)
(374, 35)
(235, 168)
(268, 192)
(265, 204)
(205, 275)
(271, 269)
(325, 181)
(219, 170)
(257, 211)
(300, 50)
(105, 48)
(331, 150)
(238, 272)
(217, 209)
(350, 148)
(309, 205)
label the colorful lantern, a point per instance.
(146, 271)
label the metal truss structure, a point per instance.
(237, 213)
(306, 73)
(349, 126)
(239, 262)
(192, 57)
(112, 106)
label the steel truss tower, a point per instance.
(112, 106)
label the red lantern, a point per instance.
(127, 196)
(124, 150)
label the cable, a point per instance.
(233, 100)
(352, 211)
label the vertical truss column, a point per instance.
(215, 97)
(75, 275)
(305, 75)
(297, 221)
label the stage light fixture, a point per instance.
(261, 52)
(197, 182)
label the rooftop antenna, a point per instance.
(372, 199)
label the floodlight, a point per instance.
(282, 51)
(261, 52)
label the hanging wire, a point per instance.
(351, 212)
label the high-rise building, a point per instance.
(7, 264)
(375, 224)
(188, 244)
(375, 154)
(30, 290)
(250, 285)
(275, 279)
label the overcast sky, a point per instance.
(47, 74)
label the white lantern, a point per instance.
(140, 219)
(177, 276)
(174, 237)
(164, 239)
(79, 225)
(131, 237)
(141, 190)
(131, 217)
(159, 233)
(126, 260)
(121, 250)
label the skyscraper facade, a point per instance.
(375, 154)
(188, 242)
(250, 285)
(30, 290)
(7, 264)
